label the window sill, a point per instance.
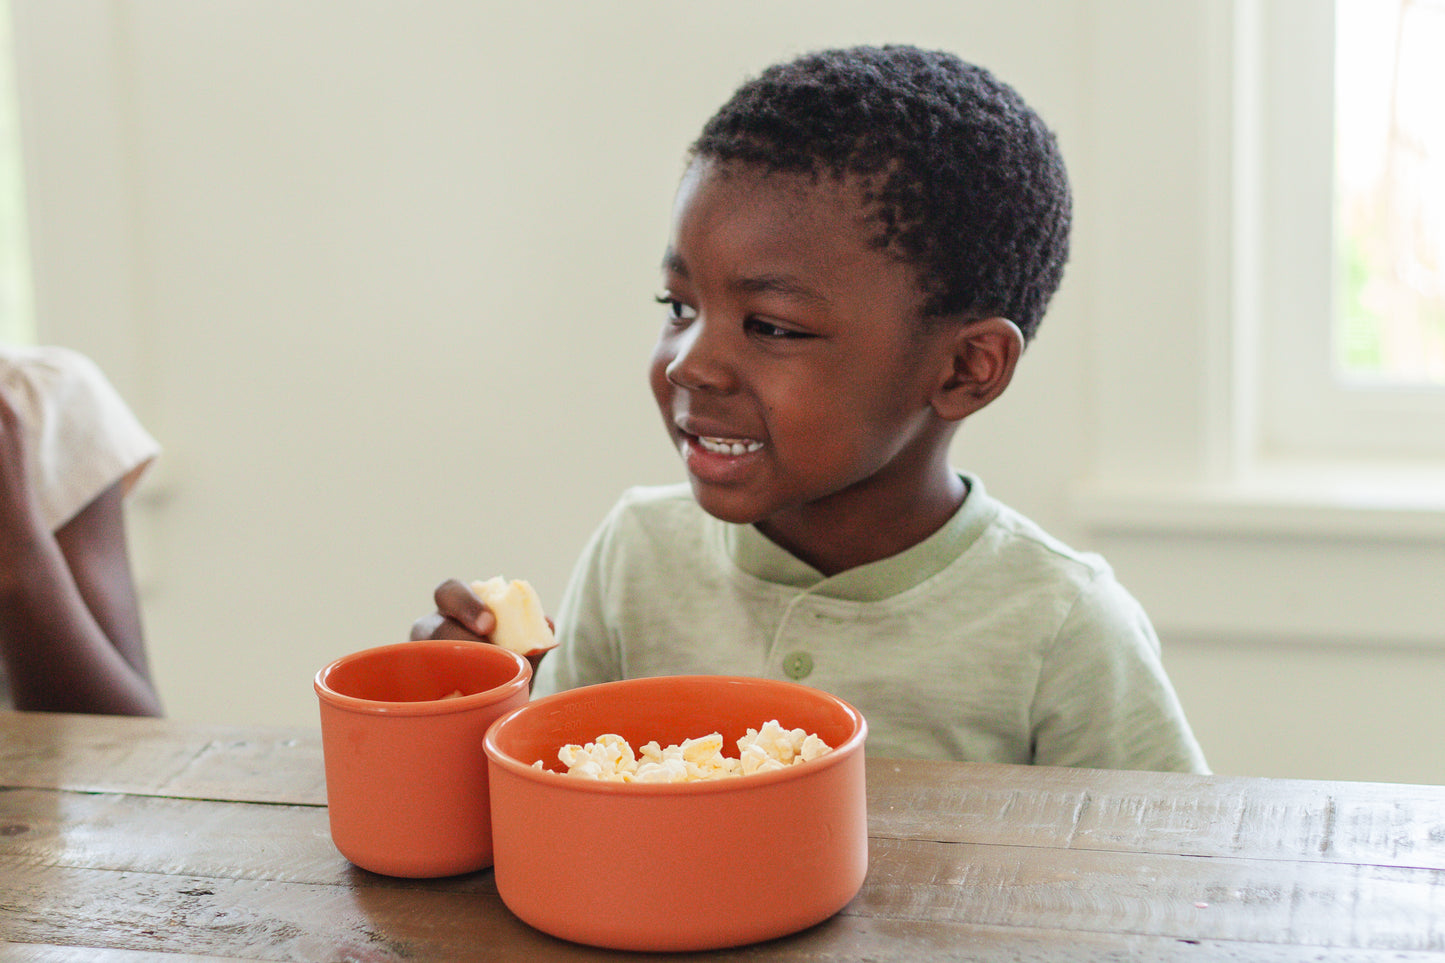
(1296, 499)
(1313, 555)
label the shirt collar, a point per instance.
(762, 558)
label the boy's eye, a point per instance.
(768, 330)
(676, 310)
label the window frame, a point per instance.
(1192, 417)
(1286, 202)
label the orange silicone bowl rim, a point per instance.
(424, 707)
(840, 753)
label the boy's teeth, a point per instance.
(728, 446)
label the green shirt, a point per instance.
(988, 641)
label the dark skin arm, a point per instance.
(70, 627)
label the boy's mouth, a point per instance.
(728, 446)
(719, 459)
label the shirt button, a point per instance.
(798, 665)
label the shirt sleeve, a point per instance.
(1104, 700)
(82, 437)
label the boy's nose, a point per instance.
(700, 364)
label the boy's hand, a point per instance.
(459, 615)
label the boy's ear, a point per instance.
(978, 365)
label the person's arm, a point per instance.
(70, 628)
(1104, 700)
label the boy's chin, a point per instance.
(719, 505)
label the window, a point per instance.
(16, 322)
(1218, 402)
(1247, 494)
(1350, 287)
(1390, 192)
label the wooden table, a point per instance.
(133, 840)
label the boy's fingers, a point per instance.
(438, 626)
(456, 601)
(428, 627)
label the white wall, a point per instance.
(379, 277)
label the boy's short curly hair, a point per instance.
(963, 178)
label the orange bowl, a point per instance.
(677, 866)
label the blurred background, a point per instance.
(378, 275)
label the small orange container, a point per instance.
(406, 771)
(679, 866)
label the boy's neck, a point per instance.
(840, 536)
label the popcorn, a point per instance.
(610, 758)
(521, 624)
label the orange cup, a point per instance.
(406, 767)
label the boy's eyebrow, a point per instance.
(762, 284)
(782, 285)
(673, 264)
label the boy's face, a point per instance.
(790, 370)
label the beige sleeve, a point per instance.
(81, 436)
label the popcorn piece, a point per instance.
(610, 758)
(521, 623)
(703, 751)
(587, 769)
(766, 749)
(756, 759)
(813, 748)
(664, 770)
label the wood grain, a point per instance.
(226, 844)
(1380, 823)
(140, 840)
(154, 756)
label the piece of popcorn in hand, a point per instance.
(522, 625)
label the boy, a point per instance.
(862, 244)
